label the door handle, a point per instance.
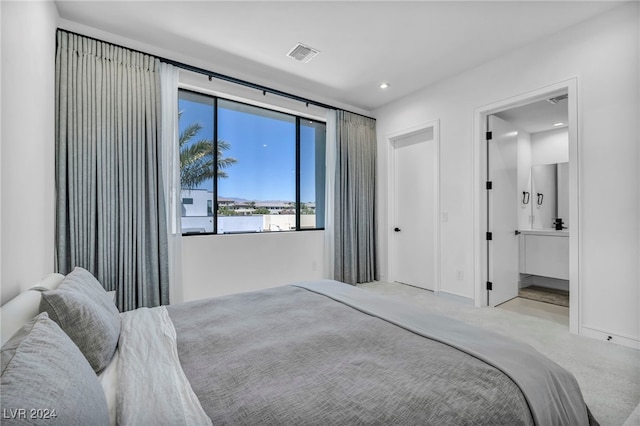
(396, 229)
(517, 232)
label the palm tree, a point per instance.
(196, 159)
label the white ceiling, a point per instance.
(410, 44)
(538, 116)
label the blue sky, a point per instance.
(264, 148)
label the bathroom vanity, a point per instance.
(544, 252)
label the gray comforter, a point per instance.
(327, 353)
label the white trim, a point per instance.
(391, 138)
(575, 207)
(619, 339)
(569, 86)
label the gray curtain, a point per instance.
(110, 213)
(355, 254)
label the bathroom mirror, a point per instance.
(549, 197)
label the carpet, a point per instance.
(608, 374)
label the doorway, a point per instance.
(414, 206)
(507, 204)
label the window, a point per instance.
(268, 167)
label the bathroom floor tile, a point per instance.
(543, 294)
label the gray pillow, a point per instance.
(84, 310)
(82, 280)
(46, 380)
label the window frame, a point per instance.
(298, 203)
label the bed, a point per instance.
(319, 352)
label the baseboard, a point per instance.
(555, 283)
(598, 334)
(454, 297)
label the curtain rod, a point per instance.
(219, 76)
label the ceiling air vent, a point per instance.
(557, 99)
(302, 53)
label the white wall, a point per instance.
(603, 54)
(550, 147)
(216, 265)
(27, 159)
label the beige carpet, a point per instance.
(608, 374)
(547, 295)
(548, 311)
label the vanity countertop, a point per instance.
(546, 231)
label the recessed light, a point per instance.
(384, 85)
(558, 124)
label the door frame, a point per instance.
(391, 140)
(571, 87)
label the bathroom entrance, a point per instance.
(527, 201)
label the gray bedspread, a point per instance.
(291, 355)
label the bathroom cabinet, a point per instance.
(545, 253)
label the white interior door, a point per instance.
(503, 211)
(414, 210)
